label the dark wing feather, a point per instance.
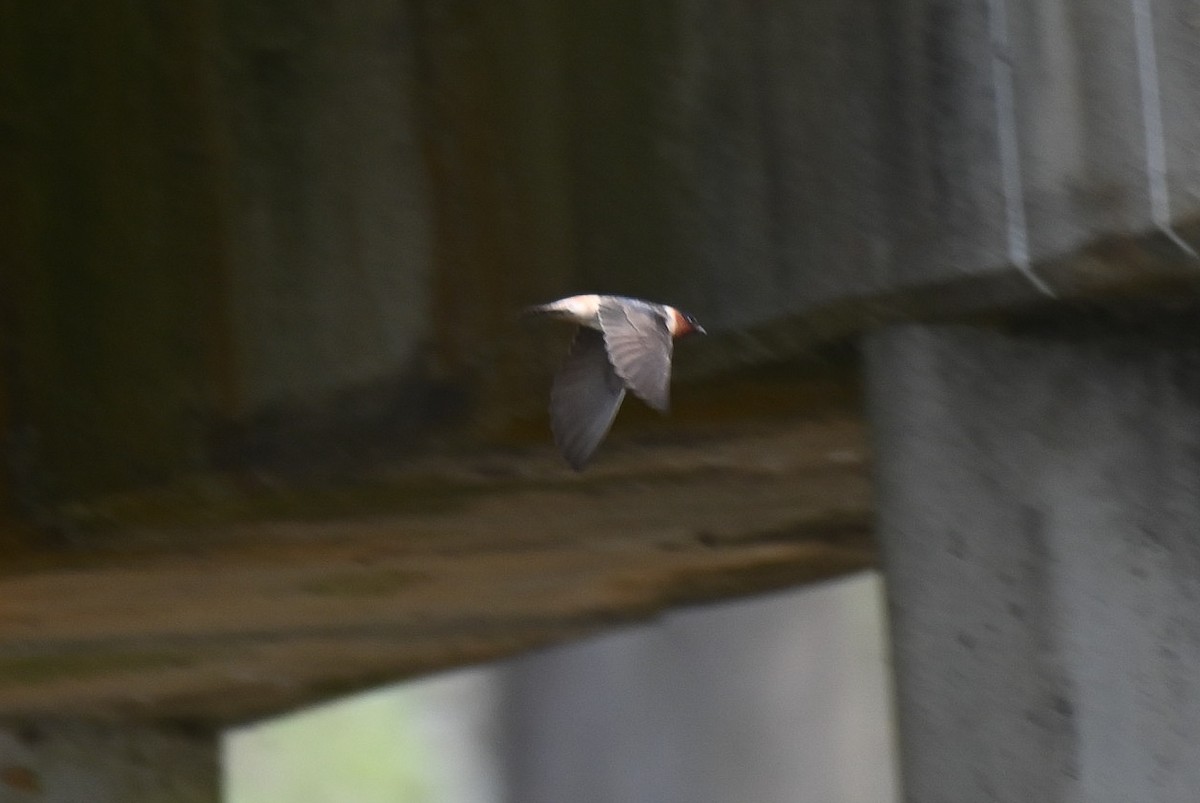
(639, 346)
(585, 398)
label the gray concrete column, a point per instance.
(779, 699)
(70, 761)
(1039, 517)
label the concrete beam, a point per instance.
(283, 598)
(64, 761)
(1037, 519)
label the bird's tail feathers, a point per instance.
(554, 309)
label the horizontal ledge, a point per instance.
(1141, 269)
(231, 620)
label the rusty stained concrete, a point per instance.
(203, 611)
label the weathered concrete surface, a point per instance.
(1038, 521)
(51, 761)
(243, 237)
(328, 265)
(241, 231)
(233, 599)
(963, 141)
(112, 233)
(777, 699)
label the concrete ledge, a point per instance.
(219, 604)
(1127, 273)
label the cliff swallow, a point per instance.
(622, 344)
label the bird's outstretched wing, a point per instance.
(639, 346)
(584, 399)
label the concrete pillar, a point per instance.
(1039, 518)
(69, 761)
(771, 700)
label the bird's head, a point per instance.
(684, 324)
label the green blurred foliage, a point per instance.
(367, 750)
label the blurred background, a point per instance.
(779, 698)
(256, 253)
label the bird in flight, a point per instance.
(622, 344)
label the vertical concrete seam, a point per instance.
(1010, 156)
(1152, 123)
